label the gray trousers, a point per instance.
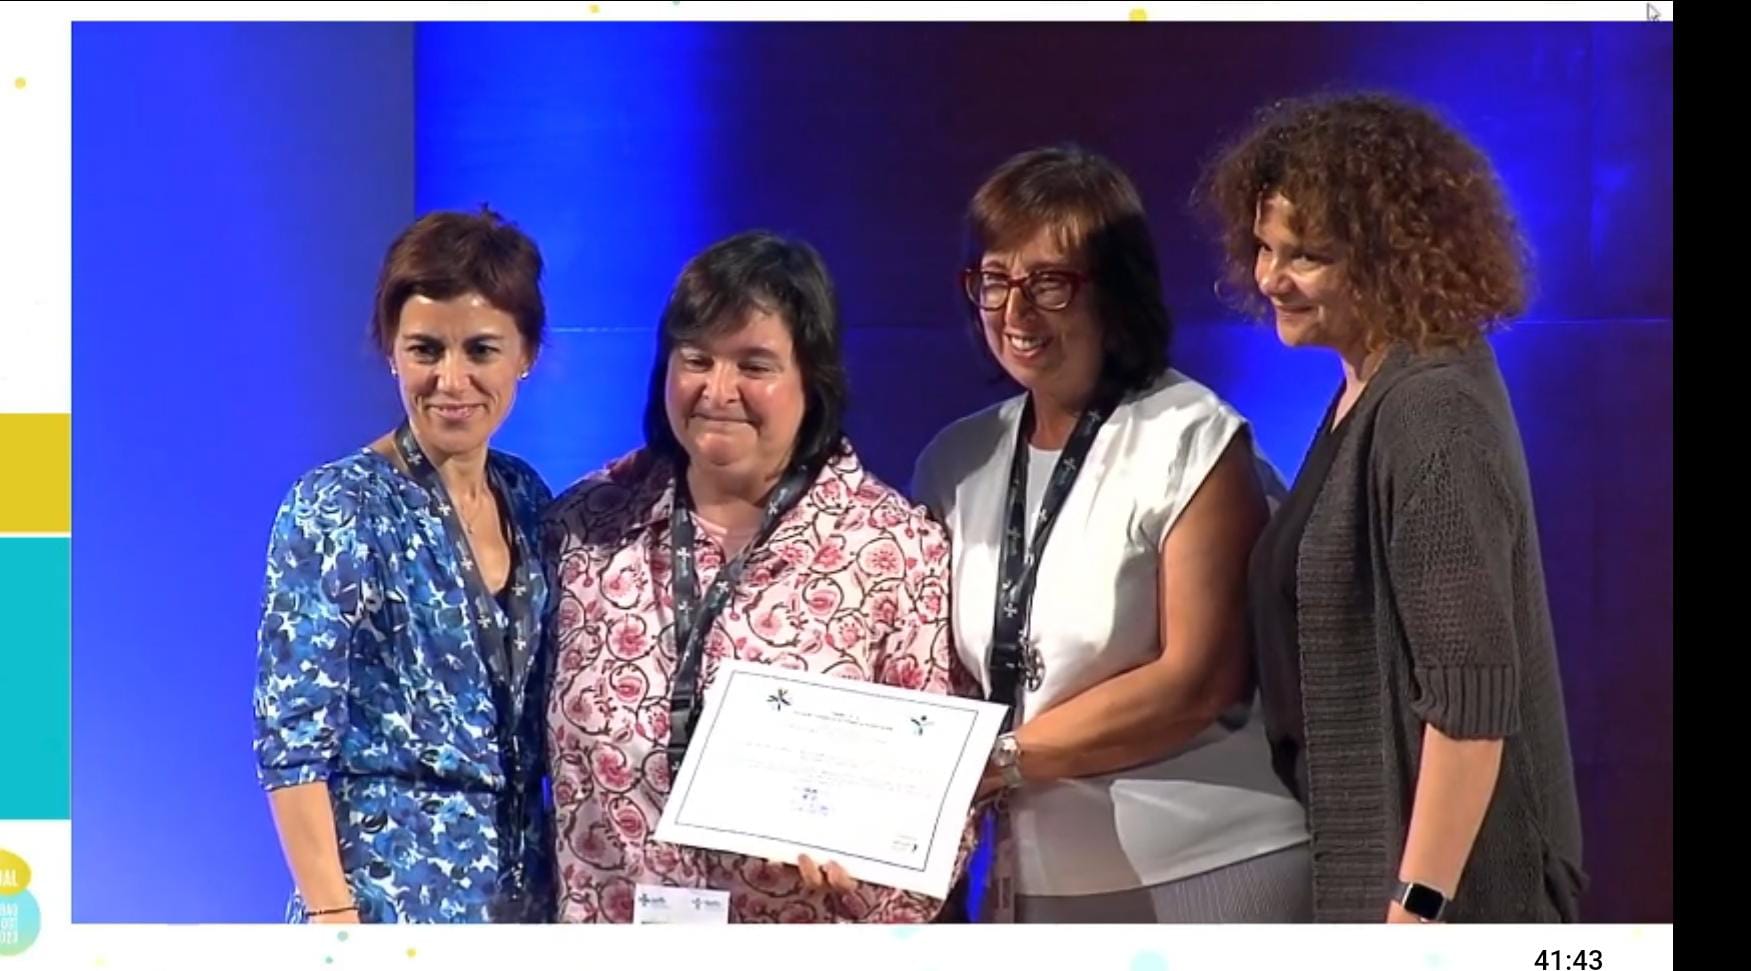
(1276, 888)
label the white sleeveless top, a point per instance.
(1215, 801)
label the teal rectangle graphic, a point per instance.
(35, 677)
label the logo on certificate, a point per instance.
(809, 803)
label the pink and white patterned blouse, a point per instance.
(853, 582)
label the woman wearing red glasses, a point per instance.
(1101, 523)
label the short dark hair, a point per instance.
(1432, 252)
(444, 255)
(1093, 208)
(714, 293)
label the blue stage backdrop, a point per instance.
(235, 187)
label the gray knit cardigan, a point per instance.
(1422, 601)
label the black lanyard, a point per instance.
(694, 618)
(506, 637)
(1018, 567)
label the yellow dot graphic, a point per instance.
(595, 8)
(14, 874)
(411, 952)
(18, 83)
(1138, 13)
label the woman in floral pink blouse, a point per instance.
(745, 478)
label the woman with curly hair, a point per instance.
(1404, 646)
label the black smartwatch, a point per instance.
(1421, 901)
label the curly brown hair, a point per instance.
(1431, 251)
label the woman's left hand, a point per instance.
(990, 785)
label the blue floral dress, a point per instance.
(370, 678)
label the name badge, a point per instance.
(679, 905)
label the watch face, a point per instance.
(1424, 902)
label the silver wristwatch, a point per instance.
(1006, 755)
